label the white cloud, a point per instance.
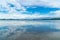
(46, 3)
(13, 13)
(55, 13)
(21, 16)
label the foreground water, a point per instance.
(30, 30)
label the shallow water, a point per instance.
(30, 30)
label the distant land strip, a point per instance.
(34, 19)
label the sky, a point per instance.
(29, 9)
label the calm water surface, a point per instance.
(30, 30)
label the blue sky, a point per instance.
(42, 10)
(21, 9)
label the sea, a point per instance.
(29, 29)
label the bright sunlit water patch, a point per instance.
(29, 30)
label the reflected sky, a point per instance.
(12, 30)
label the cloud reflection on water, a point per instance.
(16, 29)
